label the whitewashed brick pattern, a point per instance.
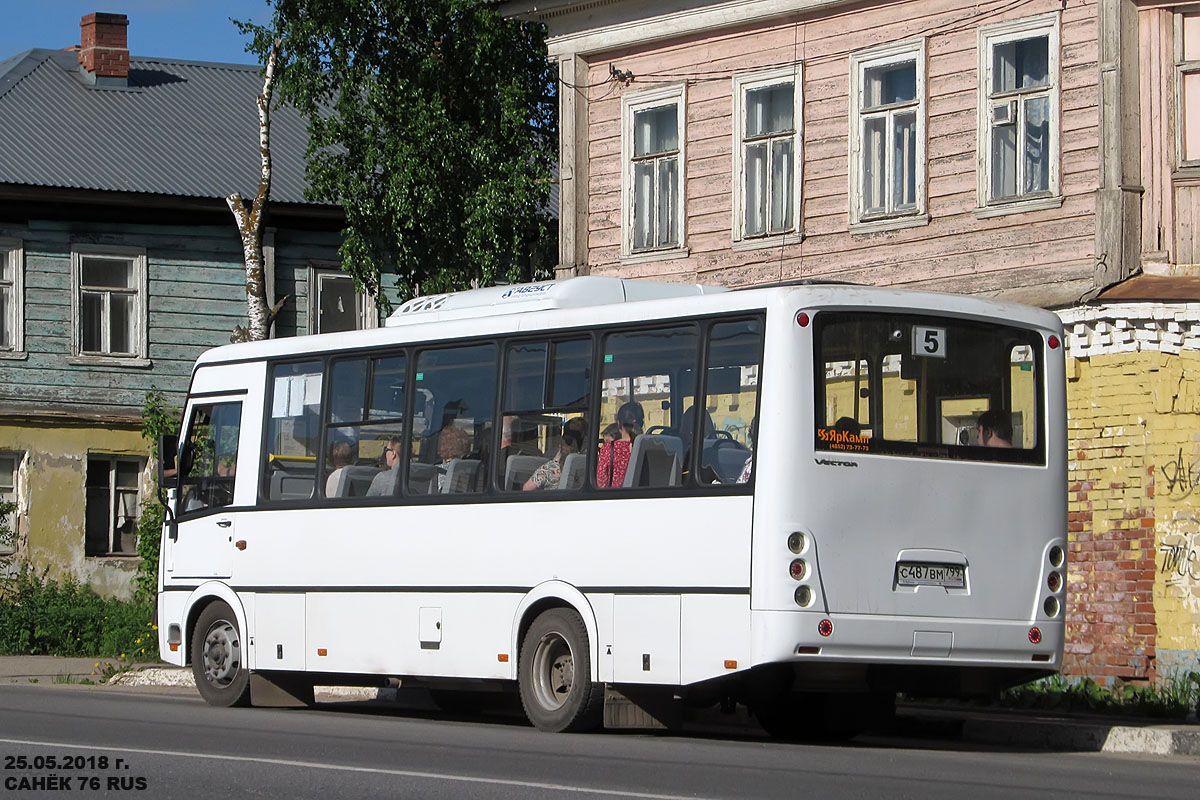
(1130, 328)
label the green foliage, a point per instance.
(433, 125)
(157, 418)
(1176, 697)
(40, 616)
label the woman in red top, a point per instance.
(614, 456)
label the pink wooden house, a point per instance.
(1031, 149)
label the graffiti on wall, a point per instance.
(1179, 562)
(1182, 477)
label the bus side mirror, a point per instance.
(168, 471)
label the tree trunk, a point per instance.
(249, 219)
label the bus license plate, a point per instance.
(951, 576)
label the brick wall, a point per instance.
(1133, 396)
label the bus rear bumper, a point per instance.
(798, 636)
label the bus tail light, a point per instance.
(802, 319)
(1054, 581)
(798, 569)
(1053, 342)
(1035, 635)
(1051, 606)
(825, 627)
(804, 596)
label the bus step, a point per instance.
(641, 707)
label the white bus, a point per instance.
(622, 497)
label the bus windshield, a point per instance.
(916, 385)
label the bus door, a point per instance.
(202, 545)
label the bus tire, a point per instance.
(555, 675)
(219, 657)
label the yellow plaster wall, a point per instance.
(51, 491)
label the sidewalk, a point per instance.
(1034, 730)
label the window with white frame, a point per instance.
(111, 505)
(12, 306)
(1187, 72)
(1019, 126)
(334, 304)
(766, 164)
(9, 462)
(109, 298)
(652, 145)
(887, 132)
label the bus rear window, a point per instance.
(937, 387)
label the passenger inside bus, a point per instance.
(341, 455)
(995, 428)
(453, 444)
(614, 457)
(387, 482)
(550, 474)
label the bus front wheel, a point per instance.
(219, 657)
(555, 674)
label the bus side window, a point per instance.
(545, 433)
(209, 465)
(451, 428)
(730, 402)
(649, 383)
(293, 432)
(364, 434)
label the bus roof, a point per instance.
(541, 296)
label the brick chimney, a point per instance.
(104, 48)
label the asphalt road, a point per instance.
(172, 745)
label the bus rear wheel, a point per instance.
(555, 675)
(219, 657)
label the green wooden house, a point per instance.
(120, 263)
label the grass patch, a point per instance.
(1176, 697)
(41, 616)
(68, 678)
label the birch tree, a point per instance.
(249, 217)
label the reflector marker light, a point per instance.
(730, 663)
(174, 647)
(825, 627)
(321, 651)
(802, 319)
(502, 657)
(1053, 342)
(807, 650)
(1035, 635)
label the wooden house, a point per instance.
(121, 263)
(1044, 151)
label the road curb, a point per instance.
(1162, 740)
